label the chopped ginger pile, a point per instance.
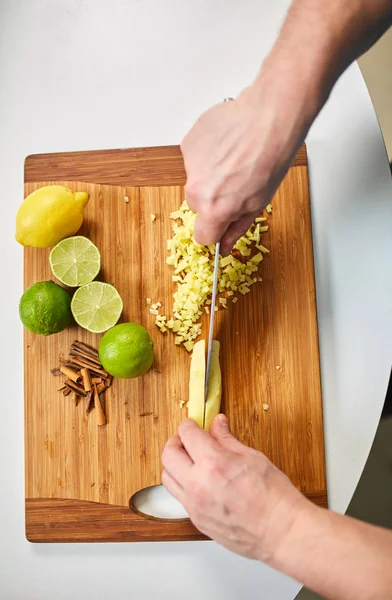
(193, 266)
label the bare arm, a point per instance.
(238, 152)
(338, 557)
(236, 496)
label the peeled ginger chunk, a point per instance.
(199, 409)
(214, 395)
(197, 383)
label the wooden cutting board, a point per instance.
(80, 478)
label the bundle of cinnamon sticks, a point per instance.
(85, 378)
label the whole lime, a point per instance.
(126, 350)
(45, 308)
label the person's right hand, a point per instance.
(235, 157)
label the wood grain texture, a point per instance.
(160, 165)
(61, 520)
(55, 520)
(68, 457)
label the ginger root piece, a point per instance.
(197, 383)
(200, 410)
(214, 395)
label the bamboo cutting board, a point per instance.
(80, 478)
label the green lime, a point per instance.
(75, 261)
(96, 306)
(44, 308)
(126, 350)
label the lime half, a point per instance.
(75, 261)
(96, 306)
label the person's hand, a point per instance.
(235, 157)
(232, 493)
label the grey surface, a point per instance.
(372, 501)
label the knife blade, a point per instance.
(212, 316)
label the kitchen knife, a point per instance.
(212, 316)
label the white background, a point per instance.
(85, 74)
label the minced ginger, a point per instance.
(193, 266)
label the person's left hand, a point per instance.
(232, 493)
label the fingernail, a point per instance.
(222, 419)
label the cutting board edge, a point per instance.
(157, 165)
(106, 523)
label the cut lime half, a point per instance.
(75, 261)
(96, 306)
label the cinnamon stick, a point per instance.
(85, 348)
(102, 401)
(101, 418)
(75, 388)
(86, 379)
(85, 365)
(85, 376)
(70, 373)
(75, 398)
(90, 402)
(87, 357)
(71, 365)
(101, 387)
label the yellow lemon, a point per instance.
(48, 215)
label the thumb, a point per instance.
(221, 433)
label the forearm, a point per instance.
(317, 42)
(336, 556)
(320, 38)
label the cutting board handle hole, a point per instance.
(156, 502)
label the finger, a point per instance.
(197, 442)
(176, 460)
(236, 230)
(220, 431)
(173, 487)
(209, 231)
